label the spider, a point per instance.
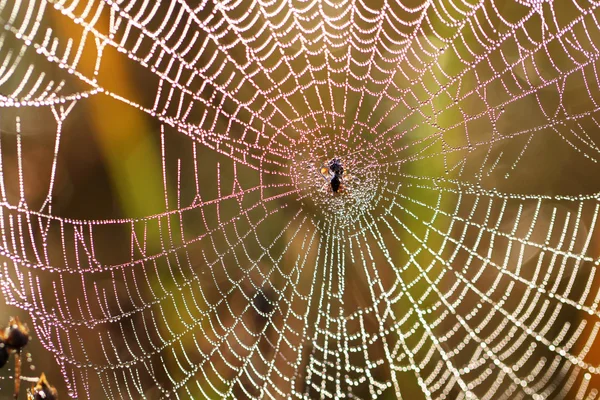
(333, 175)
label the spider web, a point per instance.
(460, 261)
